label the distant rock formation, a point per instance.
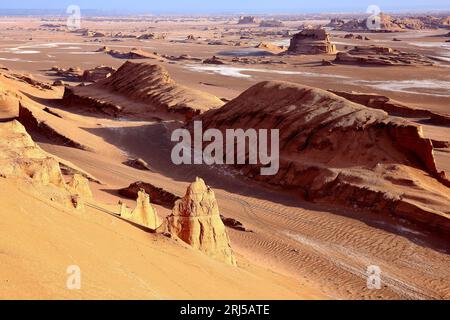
(445, 21)
(196, 220)
(97, 73)
(144, 214)
(382, 56)
(213, 60)
(132, 54)
(76, 74)
(93, 34)
(311, 41)
(335, 23)
(269, 47)
(336, 151)
(393, 24)
(151, 36)
(148, 87)
(69, 74)
(247, 20)
(271, 24)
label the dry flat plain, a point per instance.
(363, 181)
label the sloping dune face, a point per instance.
(48, 228)
(149, 86)
(339, 152)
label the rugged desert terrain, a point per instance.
(364, 124)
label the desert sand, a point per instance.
(364, 158)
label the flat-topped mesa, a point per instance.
(312, 41)
(382, 56)
(342, 153)
(196, 220)
(144, 214)
(149, 89)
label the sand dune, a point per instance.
(357, 187)
(336, 151)
(151, 89)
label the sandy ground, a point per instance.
(297, 250)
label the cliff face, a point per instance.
(336, 151)
(311, 41)
(196, 220)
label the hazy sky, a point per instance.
(231, 6)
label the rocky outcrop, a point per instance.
(381, 56)
(213, 60)
(196, 220)
(234, 224)
(139, 164)
(69, 74)
(335, 23)
(30, 80)
(23, 160)
(79, 185)
(311, 41)
(335, 151)
(93, 34)
(269, 47)
(143, 214)
(393, 24)
(76, 74)
(247, 20)
(393, 107)
(97, 73)
(271, 24)
(146, 88)
(158, 195)
(129, 55)
(32, 120)
(151, 36)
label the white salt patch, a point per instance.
(428, 87)
(237, 71)
(15, 60)
(71, 48)
(25, 51)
